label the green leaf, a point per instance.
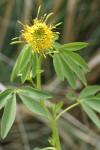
(73, 46)
(34, 64)
(91, 114)
(26, 57)
(78, 60)
(68, 72)
(26, 71)
(33, 106)
(58, 66)
(56, 45)
(89, 90)
(34, 93)
(75, 68)
(8, 116)
(93, 103)
(4, 96)
(15, 71)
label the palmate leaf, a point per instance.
(65, 64)
(21, 61)
(90, 90)
(58, 66)
(90, 100)
(73, 46)
(74, 67)
(8, 116)
(34, 93)
(33, 105)
(4, 96)
(91, 114)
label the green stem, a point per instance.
(67, 109)
(51, 119)
(39, 86)
(55, 134)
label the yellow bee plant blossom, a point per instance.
(39, 35)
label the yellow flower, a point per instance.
(39, 35)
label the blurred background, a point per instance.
(81, 22)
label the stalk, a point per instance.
(55, 135)
(51, 119)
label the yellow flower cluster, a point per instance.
(40, 35)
